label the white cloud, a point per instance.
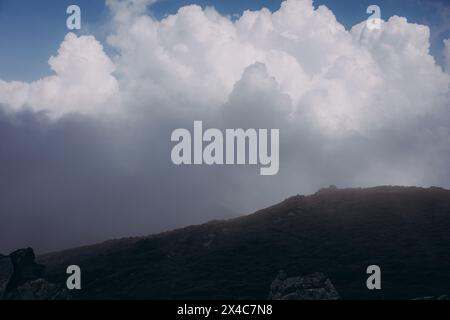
(83, 81)
(344, 80)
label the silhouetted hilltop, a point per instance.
(338, 232)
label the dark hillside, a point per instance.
(404, 230)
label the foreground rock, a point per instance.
(38, 289)
(6, 273)
(315, 286)
(21, 278)
(25, 267)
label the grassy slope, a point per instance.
(339, 232)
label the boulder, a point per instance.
(315, 286)
(6, 273)
(25, 267)
(39, 289)
(21, 279)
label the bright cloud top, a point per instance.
(341, 79)
(83, 81)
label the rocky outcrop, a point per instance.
(6, 273)
(38, 289)
(25, 267)
(21, 278)
(315, 286)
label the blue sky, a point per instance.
(31, 31)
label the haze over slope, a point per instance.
(404, 230)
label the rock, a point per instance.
(311, 287)
(25, 267)
(21, 279)
(39, 289)
(6, 272)
(23, 256)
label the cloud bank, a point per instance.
(85, 153)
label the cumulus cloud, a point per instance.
(354, 107)
(83, 81)
(349, 80)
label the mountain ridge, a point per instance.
(336, 231)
